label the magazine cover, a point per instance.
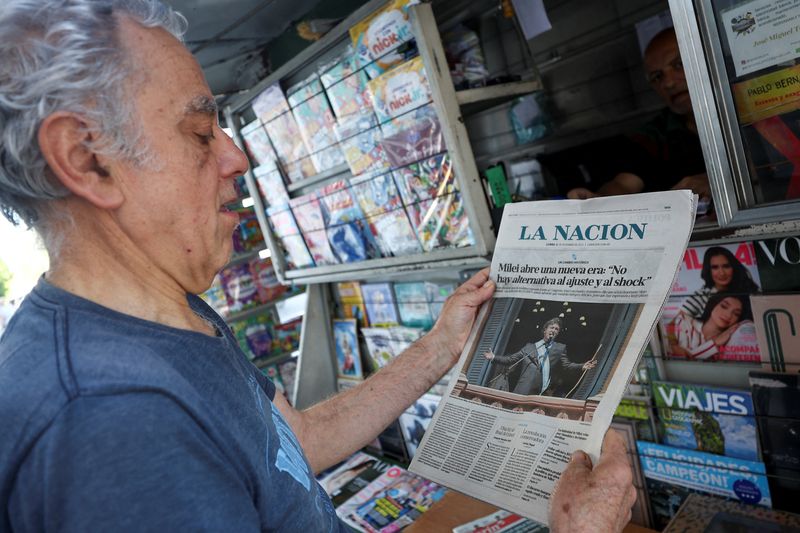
(672, 474)
(718, 268)
(387, 62)
(777, 322)
(391, 502)
(299, 170)
(270, 103)
(779, 263)
(338, 69)
(415, 420)
(351, 302)
(315, 120)
(401, 337)
(382, 31)
(360, 467)
(350, 95)
(338, 204)
(501, 522)
(724, 331)
(394, 234)
(297, 254)
(307, 211)
(348, 242)
(286, 140)
(413, 305)
(239, 286)
(258, 146)
(640, 411)
(303, 90)
(580, 285)
(254, 335)
(640, 512)
(379, 346)
(288, 372)
(376, 195)
(776, 398)
(348, 356)
(400, 90)
(328, 158)
(364, 152)
(320, 248)
(411, 137)
(267, 285)
(379, 300)
(707, 419)
(708, 514)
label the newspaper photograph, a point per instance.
(580, 285)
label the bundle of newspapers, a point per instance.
(580, 287)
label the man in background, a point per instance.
(539, 362)
(125, 401)
(666, 153)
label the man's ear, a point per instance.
(63, 139)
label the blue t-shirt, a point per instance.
(113, 423)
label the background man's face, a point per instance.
(664, 70)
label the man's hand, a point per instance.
(588, 365)
(595, 499)
(489, 355)
(580, 193)
(450, 332)
(697, 183)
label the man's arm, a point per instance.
(336, 427)
(622, 183)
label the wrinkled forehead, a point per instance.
(661, 53)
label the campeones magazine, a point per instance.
(580, 286)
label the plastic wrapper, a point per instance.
(441, 222)
(400, 90)
(267, 285)
(387, 62)
(258, 145)
(413, 136)
(394, 234)
(282, 221)
(297, 254)
(303, 90)
(247, 236)
(328, 158)
(270, 103)
(307, 212)
(338, 204)
(364, 152)
(412, 304)
(254, 335)
(381, 32)
(300, 170)
(338, 69)
(379, 301)
(465, 57)
(320, 248)
(353, 241)
(438, 292)
(425, 180)
(270, 183)
(239, 286)
(315, 120)
(350, 95)
(375, 195)
(528, 118)
(286, 139)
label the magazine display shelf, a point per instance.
(449, 106)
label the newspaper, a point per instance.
(580, 286)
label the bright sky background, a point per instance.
(25, 257)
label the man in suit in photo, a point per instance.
(539, 361)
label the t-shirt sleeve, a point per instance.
(134, 461)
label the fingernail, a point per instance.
(488, 283)
(580, 457)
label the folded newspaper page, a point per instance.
(580, 286)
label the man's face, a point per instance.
(664, 70)
(551, 332)
(174, 210)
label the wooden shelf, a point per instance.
(476, 100)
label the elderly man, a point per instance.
(125, 402)
(666, 153)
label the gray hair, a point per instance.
(64, 55)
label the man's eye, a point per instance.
(205, 139)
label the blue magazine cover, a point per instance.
(707, 419)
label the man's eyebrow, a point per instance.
(204, 105)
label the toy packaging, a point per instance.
(376, 195)
(413, 136)
(348, 356)
(425, 180)
(270, 183)
(258, 146)
(441, 222)
(320, 248)
(382, 32)
(285, 136)
(270, 103)
(394, 234)
(308, 212)
(299, 170)
(400, 90)
(338, 69)
(315, 120)
(350, 95)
